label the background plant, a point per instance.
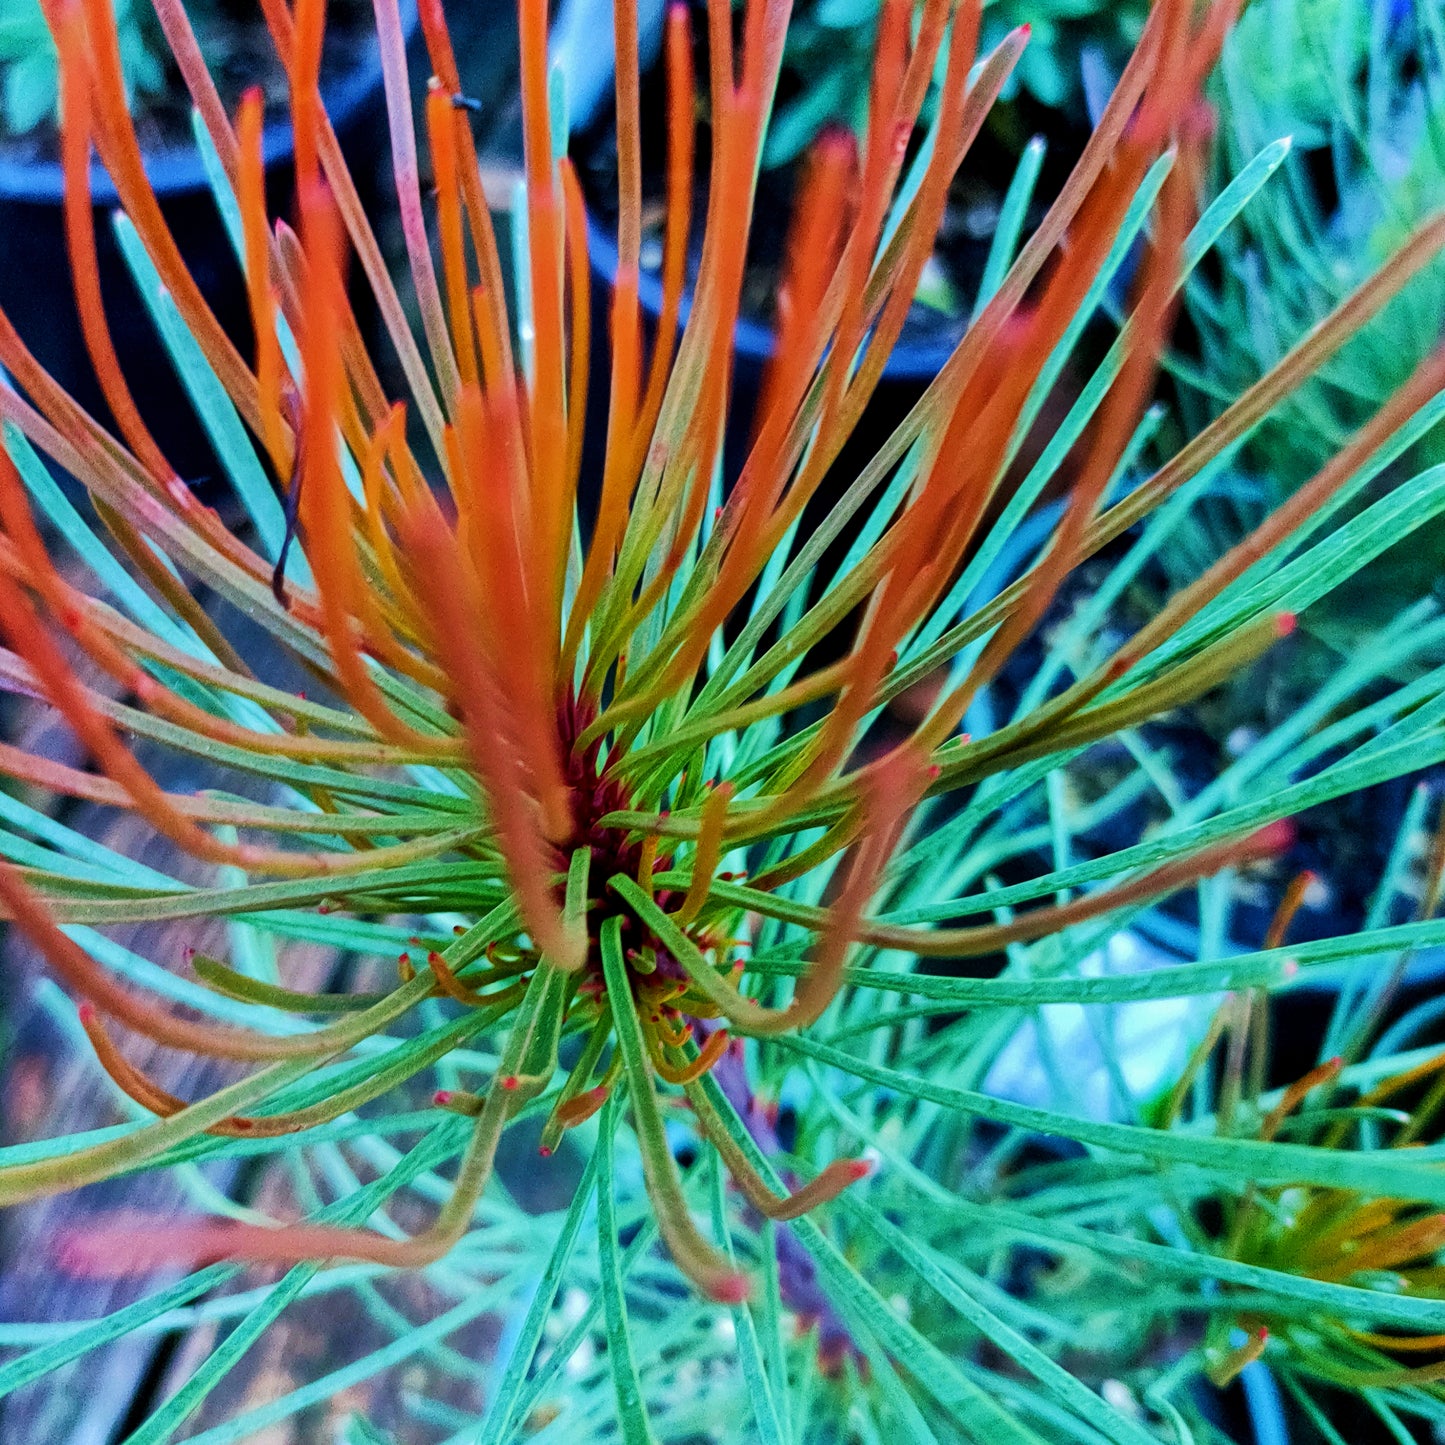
(830, 51)
(29, 76)
(1359, 90)
(568, 923)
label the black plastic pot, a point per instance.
(35, 283)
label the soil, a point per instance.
(964, 237)
(237, 46)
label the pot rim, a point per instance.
(753, 340)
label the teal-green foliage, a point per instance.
(29, 73)
(990, 1287)
(1358, 88)
(1016, 1270)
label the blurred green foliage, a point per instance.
(830, 51)
(29, 75)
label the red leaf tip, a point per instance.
(836, 144)
(732, 1289)
(857, 1169)
(442, 1097)
(1276, 837)
(86, 1011)
(1285, 623)
(510, 1082)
